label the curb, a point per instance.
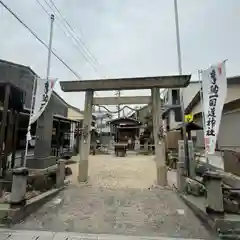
(203, 216)
(14, 216)
(218, 227)
(205, 219)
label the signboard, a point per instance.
(188, 118)
(214, 86)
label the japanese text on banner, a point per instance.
(214, 85)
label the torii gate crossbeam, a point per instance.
(153, 83)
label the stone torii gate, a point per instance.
(153, 83)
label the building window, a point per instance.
(178, 115)
(175, 97)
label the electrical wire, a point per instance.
(78, 42)
(43, 8)
(38, 38)
(60, 26)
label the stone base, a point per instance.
(60, 173)
(41, 163)
(121, 154)
(82, 171)
(162, 176)
(19, 186)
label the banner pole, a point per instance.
(33, 92)
(50, 47)
(202, 105)
(29, 122)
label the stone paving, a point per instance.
(47, 235)
(120, 198)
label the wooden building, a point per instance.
(16, 85)
(124, 129)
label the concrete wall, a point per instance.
(229, 132)
(229, 135)
(105, 140)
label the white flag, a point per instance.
(43, 93)
(214, 84)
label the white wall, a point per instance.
(190, 92)
(172, 123)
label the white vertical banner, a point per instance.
(44, 88)
(214, 86)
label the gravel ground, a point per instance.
(120, 198)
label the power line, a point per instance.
(59, 25)
(71, 28)
(78, 43)
(49, 14)
(38, 38)
(43, 8)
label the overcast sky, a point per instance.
(127, 37)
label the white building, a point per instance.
(172, 108)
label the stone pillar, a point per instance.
(137, 144)
(86, 138)
(19, 186)
(180, 176)
(181, 166)
(145, 146)
(158, 138)
(192, 162)
(181, 151)
(42, 151)
(60, 173)
(213, 185)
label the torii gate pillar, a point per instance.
(85, 138)
(158, 138)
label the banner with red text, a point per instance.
(42, 95)
(214, 87)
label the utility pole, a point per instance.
(180, 90)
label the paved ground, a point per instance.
(47, 235)
(120, 198)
